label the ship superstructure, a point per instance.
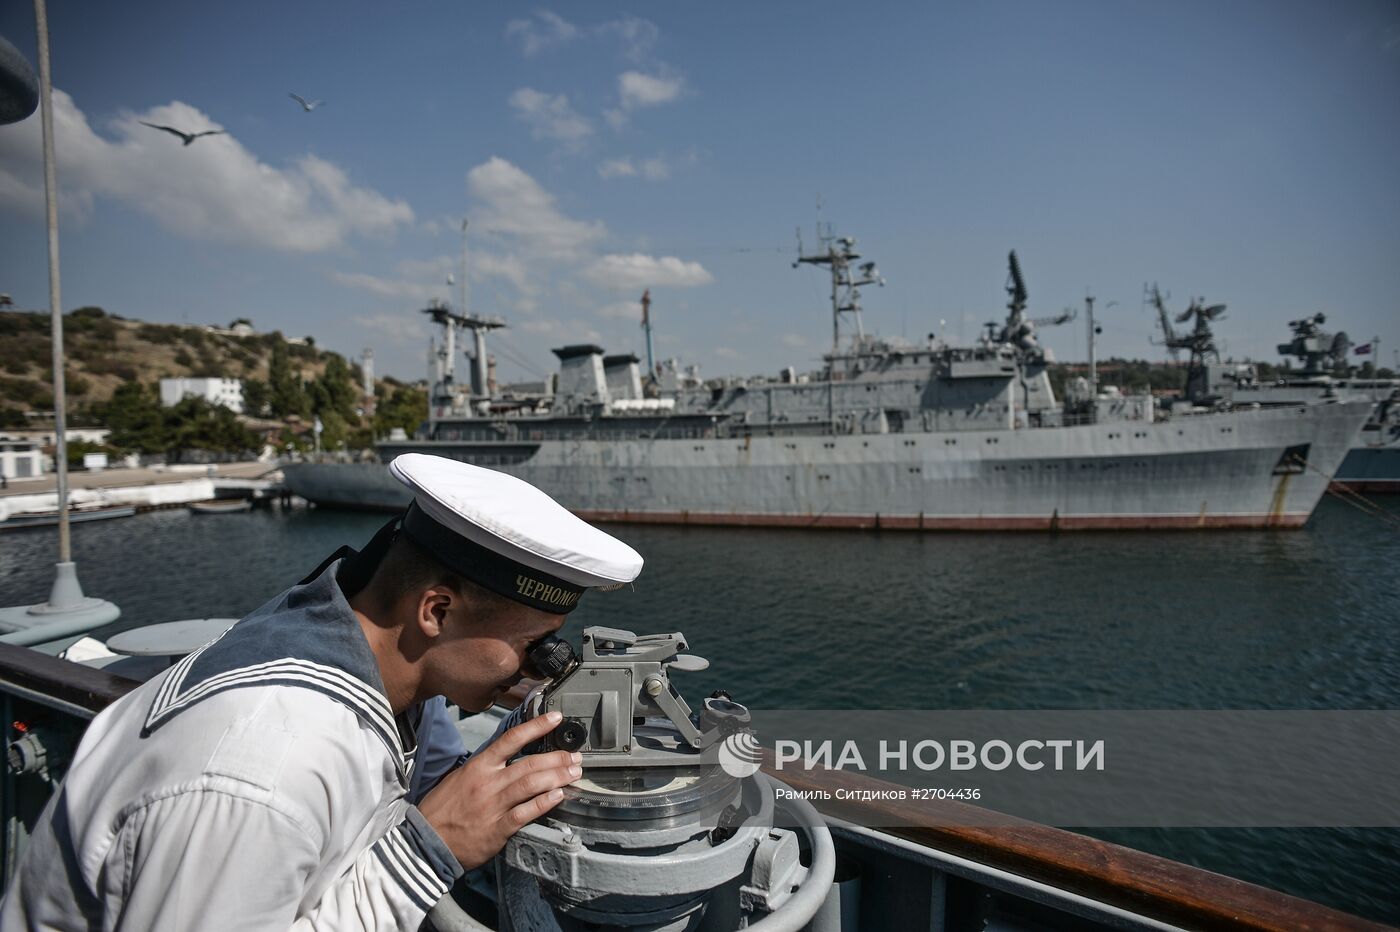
(886, 433)
(1321, 375)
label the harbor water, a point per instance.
(827, 619)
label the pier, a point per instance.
(147, 488)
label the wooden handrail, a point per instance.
(72, 684)
(1140, 883)
(1135, 881)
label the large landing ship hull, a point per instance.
(1256, 469)
(1370, 468)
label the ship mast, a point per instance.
(445, 372)
(646, 325)
(837, 254)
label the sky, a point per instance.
(1247, 152)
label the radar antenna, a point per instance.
(838, 254)
(1199, 341)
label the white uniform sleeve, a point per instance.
(205, 859)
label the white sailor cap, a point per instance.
(506, 535)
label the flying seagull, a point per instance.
(187, 137)
(307, 105)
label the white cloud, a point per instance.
(422, 279)
(657, 169)
(515, 205)
(622, 310)
(642, 271)
(617, 168)
(724, 352)
(395, 326)
(572, 330)
(794, 340)
(638, 35)
(213, 189)
(547, 30)
(549, 116)
(653, 169)
(558, 284)
(646, 90)
(511, 268)
(387, 287)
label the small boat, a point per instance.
(50, 518)
(222, 506)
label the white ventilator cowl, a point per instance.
(513, 518)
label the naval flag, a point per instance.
(1363, 350)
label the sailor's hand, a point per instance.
(517, 715)
(476, 807)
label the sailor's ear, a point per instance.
(435, 608)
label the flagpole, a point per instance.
(68, 614)
(65, 546)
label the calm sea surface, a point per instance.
(834, 619)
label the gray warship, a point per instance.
(1322, 375)
(887, 434)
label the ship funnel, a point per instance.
(581, 376)
(623, 376)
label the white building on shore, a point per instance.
(226, 392)
(28, 454)
(21, 458)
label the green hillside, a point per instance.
(114, 367)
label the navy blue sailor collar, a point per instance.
(307, 637)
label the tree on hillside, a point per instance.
(405, 407)
(332, 399)
(288, 396)
(334, 392)
(140, 424)
(257, 398)
(195, 424)
(135, 418)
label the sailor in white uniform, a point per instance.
(264, 781)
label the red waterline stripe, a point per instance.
(950, 523)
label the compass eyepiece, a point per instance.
(549, 657)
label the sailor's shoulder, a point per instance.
(293, 746)
(294, 750)
(262, 716)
